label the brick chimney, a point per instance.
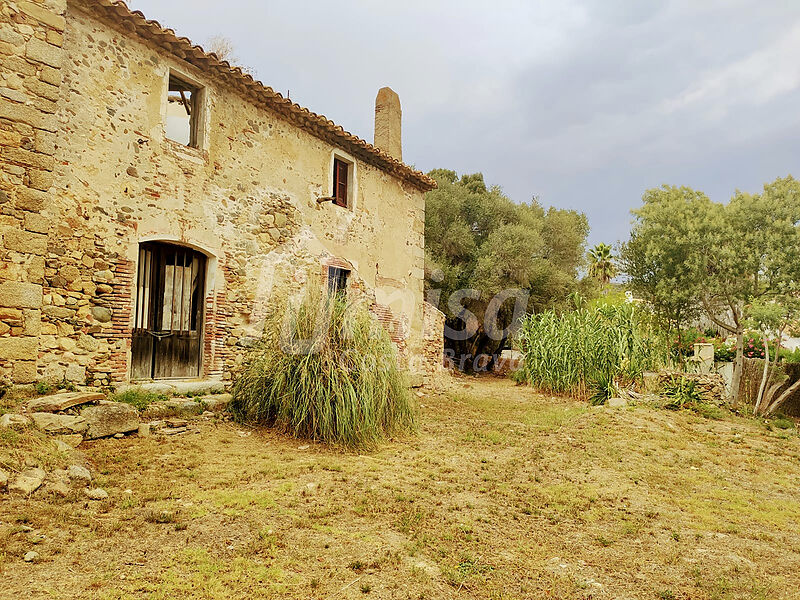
(388, 117)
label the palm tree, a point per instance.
(602, 267)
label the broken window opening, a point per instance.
(183, 112)
(337, 280)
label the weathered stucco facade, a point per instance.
(87, 175)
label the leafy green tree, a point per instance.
(688, 255)
(665, 256)
(479, 245)
(602, 265)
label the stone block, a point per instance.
(15, 95)
(32, 199)
(75, 373)
(11, 315)
(14, 421)
(41, 51)
(24, 371)
(24, 241)
(56, 423)
(101, 314)
(63, 401)
(36, 223)
(216, 402)
(28, 158)
(50, 75)
(28, 481)
(55, 38)
(43, 14)
(58, 312)
(20, 294)
(109, 419)
(19, 348)
(40, 180)
(14, 111)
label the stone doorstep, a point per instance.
(200, 387)
(186, 407)
(63, 401)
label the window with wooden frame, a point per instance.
(184, 112)
(341, 182)
(337, 280)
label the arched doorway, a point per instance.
(168, 318)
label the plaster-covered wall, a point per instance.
(247, 199)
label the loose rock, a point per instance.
(54, 423)
(97, 494)
(3, 480)
(216, 402)
(57, 483)
(59, 402)
(616, 403)
(28, 481)
(73, 440)
(14, 420)
(62, 446)
(31, 556)
(79, 474)
(108, 419)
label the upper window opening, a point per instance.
(341, 172)
(183, 112)
(337, 280)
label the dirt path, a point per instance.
(503, 494)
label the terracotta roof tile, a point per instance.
(320, 126)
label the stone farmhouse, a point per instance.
(154, 202)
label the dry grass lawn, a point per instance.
(503, 494)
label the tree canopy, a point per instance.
(477, 239)
(601, 263)
(688, 255)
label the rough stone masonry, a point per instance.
(112, 234)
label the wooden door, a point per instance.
(167, 335)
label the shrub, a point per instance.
(723, 351)
(328, 372)
(683, 346)
(682, 393)
(138, 398)
(790, 356)
(586, 350)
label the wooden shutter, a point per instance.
(340, 169)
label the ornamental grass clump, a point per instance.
(325, 370)
(586, 352)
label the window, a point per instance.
(340, 180)
(184, 110)
(337, 280)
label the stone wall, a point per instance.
(31, 38)
(88, 175)
(432, 355)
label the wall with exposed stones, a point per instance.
(88, 175)
(31, 37)
(431, 357)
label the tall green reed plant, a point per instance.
(588, 350)
(325, 370)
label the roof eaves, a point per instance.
(318, 125)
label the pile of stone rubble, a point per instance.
(72, 417)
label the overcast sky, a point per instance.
(584, 104)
